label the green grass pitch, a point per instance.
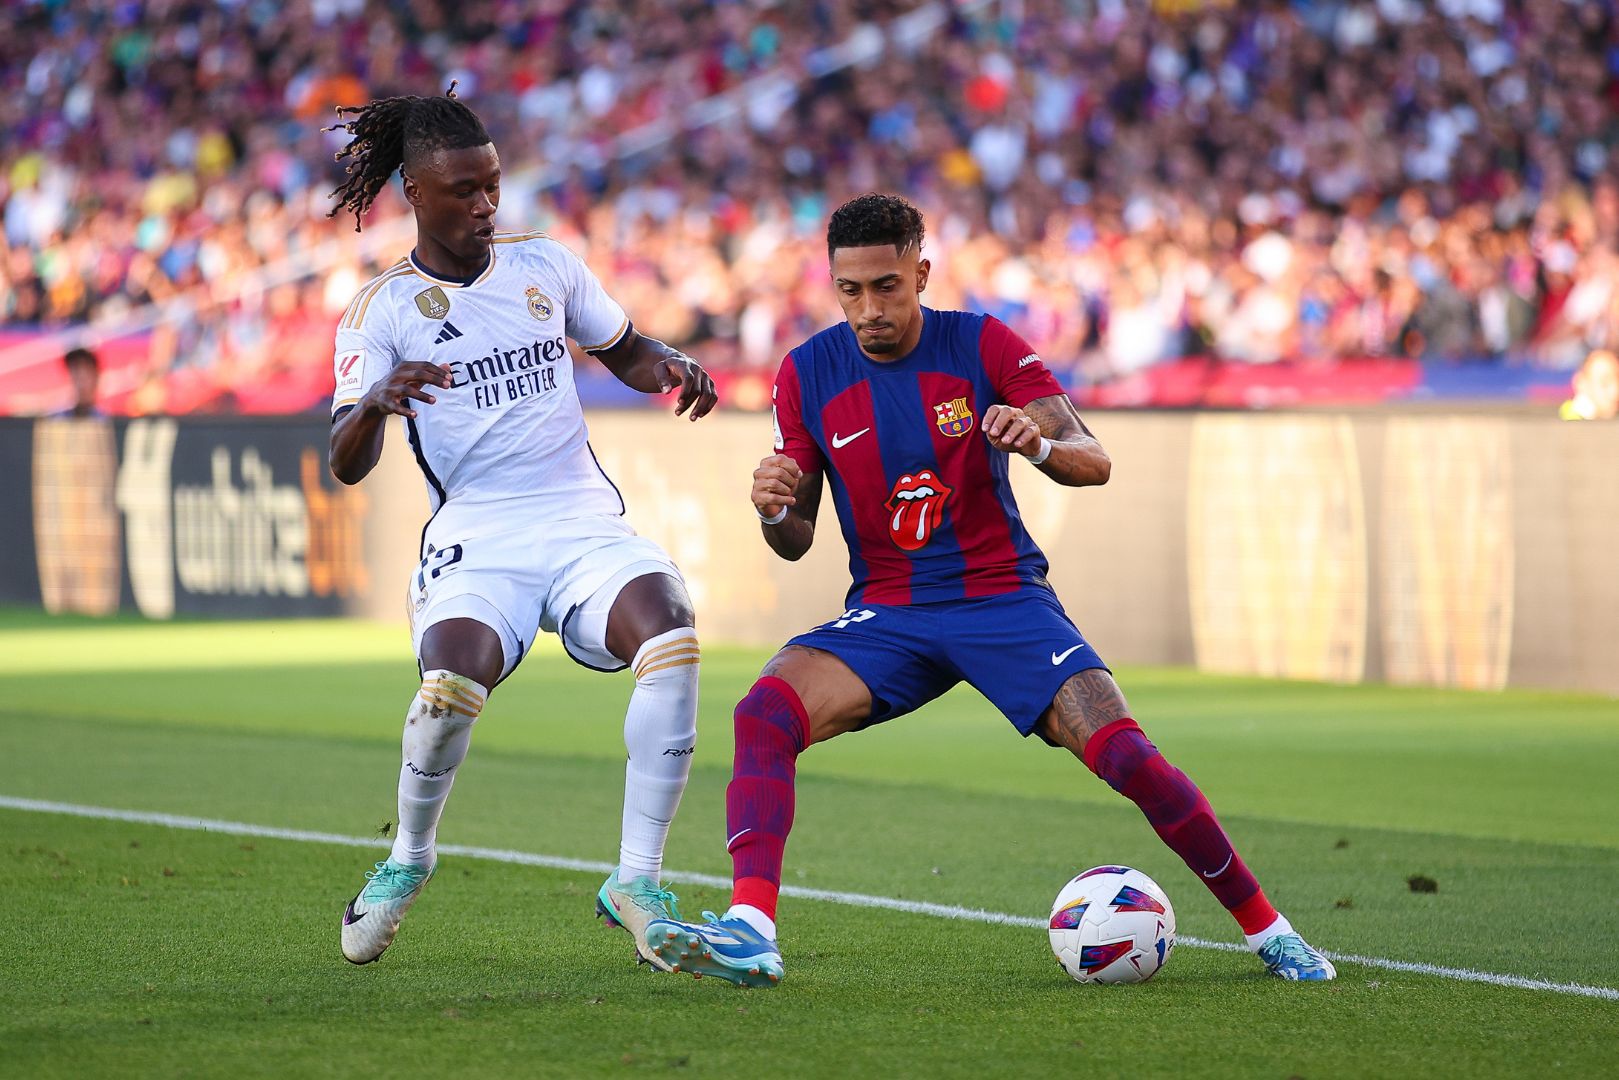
(136, 949)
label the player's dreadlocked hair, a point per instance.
(393, 131)
(874, 219)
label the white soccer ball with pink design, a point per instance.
(1112, 924)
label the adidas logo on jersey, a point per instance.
(449, 333)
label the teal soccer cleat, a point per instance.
(1287, 956)
(728, 949)
(372, 918)
(632, 905)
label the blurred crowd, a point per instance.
(1124, 182)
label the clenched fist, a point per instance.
(774, 482)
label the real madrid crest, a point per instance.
(539, 305)
(433, 303)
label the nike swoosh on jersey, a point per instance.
(840, 441)
(1058, 657)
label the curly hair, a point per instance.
(391, 132)
(873, 219)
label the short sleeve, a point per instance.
(594, 319)
(1015, 369)
(787, 413)
(361, 358)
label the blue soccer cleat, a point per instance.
(1288, 956)
(728, 949)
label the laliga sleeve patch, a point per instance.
(349, 369)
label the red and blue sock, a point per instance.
(1181, 816)
(772, 729)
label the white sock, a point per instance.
(438, 729)
(754, 918)
(1280, 926)
(660, 732)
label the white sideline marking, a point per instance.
(887, 903)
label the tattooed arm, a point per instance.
(1076, 458)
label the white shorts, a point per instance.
(519, 578)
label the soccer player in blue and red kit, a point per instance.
(913, 416)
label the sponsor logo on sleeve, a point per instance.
(350, 369)
(1032, 358)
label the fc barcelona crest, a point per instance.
(954, 418)
(433, 303)
(539, 305)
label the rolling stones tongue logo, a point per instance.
(917, 504)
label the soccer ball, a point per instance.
(1112, 924)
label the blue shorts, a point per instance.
(1017, 649)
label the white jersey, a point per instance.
(510, 426)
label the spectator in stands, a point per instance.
(84, 371)
(1596, 389)
(1257, 181)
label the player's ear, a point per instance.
(413, 190)
(922, 269)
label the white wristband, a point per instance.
(1045, 451)
(781, 516)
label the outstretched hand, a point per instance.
(403, 385)
(697, 391)
(1012, 430)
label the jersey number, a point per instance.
(438, 560)
(853, 615)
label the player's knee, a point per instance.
(771, 715)
(465, 646)
(650, 609)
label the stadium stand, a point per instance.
(1176, 202)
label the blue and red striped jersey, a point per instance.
(925, 503)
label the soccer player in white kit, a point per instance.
(465, 339)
